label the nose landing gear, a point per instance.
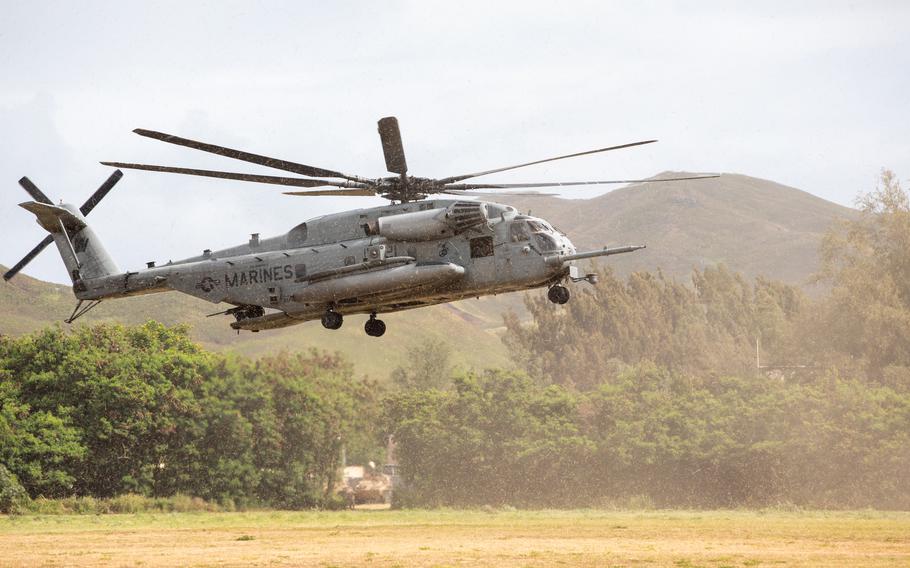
(374, 327)
(558, 294)
(332, 319)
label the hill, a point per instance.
(27, 304)
(754, 226)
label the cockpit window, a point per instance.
(545, 242)
(518, 232)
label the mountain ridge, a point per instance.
(754, 226)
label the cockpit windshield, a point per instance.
(545, 242)
(541, 232)
(518, 231)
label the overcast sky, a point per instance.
(816, 97)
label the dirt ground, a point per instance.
(460, 538)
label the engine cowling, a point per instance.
(432, 224)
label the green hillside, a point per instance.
(27, 304)
(754, 226)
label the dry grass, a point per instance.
(460, 538)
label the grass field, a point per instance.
(460, 538)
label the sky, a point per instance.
(815, 95)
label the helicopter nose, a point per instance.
(554, 262)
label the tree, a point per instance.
(37, 448)
(427, 366)
(495, 438)
(709, 327)
(109, 409)
(867, 263)
(13, 497)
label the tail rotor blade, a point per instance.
(392, 147)
(28, 258)
(99, 194)
(33, 190)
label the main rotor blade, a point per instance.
(477, 174)
(285, 165)
(331, 192)
(565, 183)
(33, 190)
(99, 194)
(510, 194)
(392, 148)
(28, 258)
(275, 180)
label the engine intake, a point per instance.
(432, 224)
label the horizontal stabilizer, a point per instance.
(51, 216)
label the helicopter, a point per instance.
(417, 251)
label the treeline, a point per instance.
(652, 437)
(109, 410)
(646, 390)
(708, 327)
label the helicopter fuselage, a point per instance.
(372, 261)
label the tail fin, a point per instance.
(83, 254)
(51, 217)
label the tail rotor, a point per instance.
(40, 197)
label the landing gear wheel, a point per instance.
(374, 327)
(332, 320)
(558, 294)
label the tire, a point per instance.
(332, 320)
(374, 327)
(558, 294)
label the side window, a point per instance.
(299, 272)
(518, 232)
(481, 246)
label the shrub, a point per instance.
(13, 498)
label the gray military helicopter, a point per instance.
(414, 252)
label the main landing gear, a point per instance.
(374, 327)
(332, 320)
(558, 294)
